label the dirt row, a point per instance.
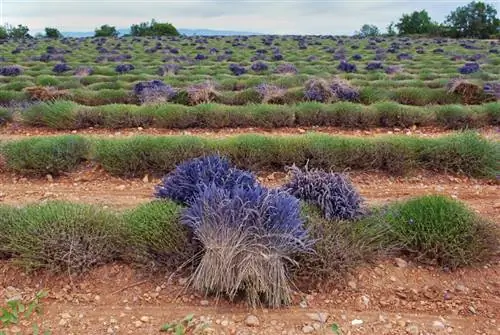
(16, 131)
(92, 185)
(391, 297)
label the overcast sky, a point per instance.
(278, 16)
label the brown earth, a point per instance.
(16, 131)
(389, 297)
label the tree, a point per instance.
(52, 33)
(4, 34)
(415, 23)
(369, 30)
(390, 29)
(153, 29)
(106, 31)
(477, 20)
(19, 32)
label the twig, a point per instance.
(130, 286)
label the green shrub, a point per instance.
(392, 114)
(45, 155)
(339, 247)
(154, 236)
(7, 220)
(459, 117)
(466, 152)
(436, 229)
(56, 115)
(64, 238)
(140, 155)
(5, 116)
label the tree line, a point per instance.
(474, 20)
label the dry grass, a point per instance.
(42, 93)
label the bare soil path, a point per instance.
(16, 131)
(386, 298)
(91, 185)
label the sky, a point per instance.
(263, 16)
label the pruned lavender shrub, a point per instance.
(374, 66)
(278, 57)
(469, 68)
(61, 68)
(346, 67)
(404, 56)
(83, 71)
(318, 90)
(155, 91)
(202, 93)
(286, 68)
(344, 91)
(200, 57)
(124, 68)
(259, 67)
(169, 69)
(11, 70)
(237, 70)
(248, 237)
(185, 183)
(332, 192)
(271, 93)
(392, 69)
(492, 89)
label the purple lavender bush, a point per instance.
(333, 193)
(184, 184)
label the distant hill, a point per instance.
(188, 32)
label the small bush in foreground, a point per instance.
(333, 193)
(439, 230)
(154, 236)
(7, 217)
(339, 246)
(248, 237)
(191, 177)
(64, 238)
(45, 155)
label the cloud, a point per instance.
(278, 16)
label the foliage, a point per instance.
(52, 33)
(106, 31)
(474, 20)
(248, 236)
(45, 155)
(191, 177)
(64, 237)
(182, 327)
(4, 34)
(415, 23)
(332, 192)
(17, 311)
(153, 28)
(18, 32)
(339, 246)
(369, 30)
(7, 219)
(154, 237)
(438, 230)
